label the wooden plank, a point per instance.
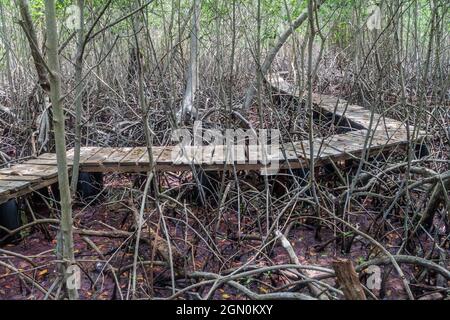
(14, 185)
(42, 171)
(8, 188)
(50, 158)
(270, 154)
(33, 187)
(381, 137)
(391, 126)
(188, 155)
(287, 153)
(321, 149)
(85, 153)
(219, 155)
(39, 161)
(297, 149)
(348, 142)
(344, 109)
(133, 156)
(117, 155)
(161, 155)
(335, 146)
(4, 191)
(322, 99)
(235, 154)
(325, 151)
(208, 153)
(5, 177)
(252, 155)
(98, 157)
(231, 155)
(47, 156)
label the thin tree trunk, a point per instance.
(7, 47)
(309, 85)
(28, 27)
(265, 67)
(348, 279)
(192, 81)
(79, 89)
(66, 234)
(232, 56)
(82, 40)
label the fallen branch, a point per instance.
(348, 279)
(315, 290)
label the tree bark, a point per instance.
(192, 81)
(265, 67)
(348, 279)
(66, 232)
(79, 89)
(30, 32)
(7, 47)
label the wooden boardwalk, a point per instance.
(380, 134)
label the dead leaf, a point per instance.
(43, 272)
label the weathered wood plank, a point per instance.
(187, 155)
(8, 188)
(208, 153)
(47, 156)
(4, 191)
(117, 155)
(161, 155)
(85, 153)
(133, 156)
(28, 189)
(39, 161)
(43, 171)
(98, 157)
(232, 155)
(7, 177)
(14, 185)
